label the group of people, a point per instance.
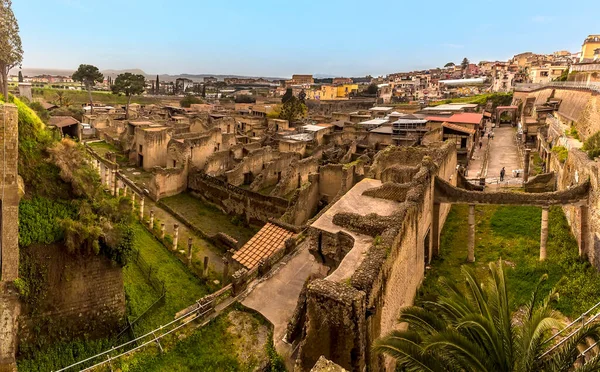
(490, 136)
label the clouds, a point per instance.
(542, 19)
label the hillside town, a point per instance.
(435, 220)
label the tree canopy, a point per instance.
(88, 75)
(129, 84)
(287, 96)
(11, 51)
(372, 88)
(293, 109)
(189, 100)
(474, 329)
(465, 63)
(449, 64)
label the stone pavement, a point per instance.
(276, 296)
(503, 153)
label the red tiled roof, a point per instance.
(62, 121)
(458, 128)
(270, 239)
(464, 117)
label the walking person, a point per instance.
(480, 144)
(502, 172)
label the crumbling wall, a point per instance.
(386, 279)
(577, 169)
(218, 163)
(235, 200)
(333, 178)
(295, 175)
(168, 181)
(304, 202)
(252, 164)
(272, 171)
(336, 328)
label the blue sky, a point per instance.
(279, 38)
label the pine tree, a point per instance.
(20, 76)
(157, 85)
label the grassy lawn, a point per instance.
(182, 287)
(102, 148)
(78, 97)
(208, 218)
(138, 293)
(513, 233)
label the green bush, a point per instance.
(39, 220)
(189, 100)
(592, 145)
(561, 153)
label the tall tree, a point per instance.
(88, 75)
(11, 51)
(129, 84)
(449, 64)
(20, 76)
(157, 85)
(287, 96)
(464, 64)
(302, 96)
(473, 329)
(292, 109)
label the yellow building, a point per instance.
(589, 46)
(343, 91)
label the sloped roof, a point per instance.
(47, 106)
(270, 239)
(465, 117)
(458, 128)
(62, 121)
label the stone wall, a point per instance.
(580, 108)
(273, 171)
(9, 245)
(576, 170)
(333, 178)
(388, 277)
(168, 181)
(304, 202)
(237, 201)
(295, 175)
(84, 295)
(252, 164)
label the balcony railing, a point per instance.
(527, 87)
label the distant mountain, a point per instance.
(113, 74)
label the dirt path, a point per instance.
(503, 153)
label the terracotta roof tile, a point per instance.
(270, 239)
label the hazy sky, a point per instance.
(281, 37)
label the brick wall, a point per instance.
(84, 294)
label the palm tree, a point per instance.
(475, 330)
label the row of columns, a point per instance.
(109, 178)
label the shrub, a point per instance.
(561, 153)
(592, 145)
(189, 100)
(39, 220)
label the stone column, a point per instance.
(189, 251)
(225, 270)
(471, 254)
(205, 267)
(142, 208)
(133, 200)
(124, 189)
(106, 177)
(526, 165)
(114, 188)
(544, 233)
(162, 230)
(151, 219)
(435, 230)
(583, 230)
(175, 236)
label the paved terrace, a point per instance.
(355, 202)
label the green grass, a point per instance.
(102, 148)
(78, 97)
(513, 234)
(138, 293)
(182, 287)
(207, 217)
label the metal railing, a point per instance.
(579, 323)
(145, 340)
(593, 86)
